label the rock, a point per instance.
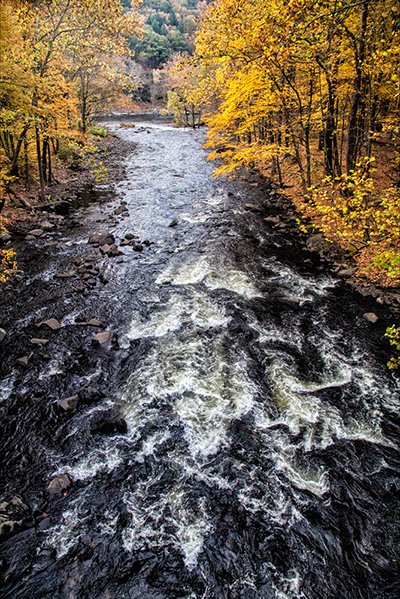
(15, 514)
(91, 282)
(69, 403)
(252, 208)
(108, 426)
(101, 238)
(89, 395)
(60, 208)
(272, 219)
(36, 232)
(110, 250)
(105, 249)
(120, 210)
(4, 238)
(65, 275)
(52, 323)
(23, 361)
(173, 223)
(95, 323)
(36, 341)
(347, 272)
(146, 242)
(58, 485)
(102, 338)
(79, 288)
(394, 297)
(137, 247)
(130, 236)
(3, 334)
(371, 317)
(47, 226)
(125, 242)
(30, 237)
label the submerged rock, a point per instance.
(173, 223)
(101, 238)
(137, 247)
(108, 426)
(58, 485)
(90, 395)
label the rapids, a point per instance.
(262, 454)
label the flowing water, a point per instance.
(262, 453)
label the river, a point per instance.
(261, 458)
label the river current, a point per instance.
(262, 454)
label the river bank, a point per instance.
(220, 428)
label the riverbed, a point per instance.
(261, 452)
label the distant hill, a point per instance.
(170, 27)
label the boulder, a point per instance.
(109, 426)
(120, 210)
(252, 208)
(130, 236)
(173, 223)
(3, 334)
(89, 395)
(52, 323)
(95, 323)
(137, 247)
(4, 238)
(36, 341)
(15, 515)
(23, 361)
(125, 242)
(37, 232)
(102, 338)
(58, 485)
(69, 403)
(101, 238)
(371, 317)
(146, 242)
(65, 275)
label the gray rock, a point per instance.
(102, 338)
(3, 334)
(252, 208)
(173, 223)
(47, 226)
(272, 219)
(69, 403)
(95, 323)
(58, 485)
(15, 515)
(101, 238)
(130, 236)
(36, 232)
(30, 237)
(52, 323)
(371, 317)
(4, 238)
(137, 247)
(23, 361)
(125, 242)
(36, 341)
(347, 272)
(105, 248)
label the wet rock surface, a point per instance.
(242, 437)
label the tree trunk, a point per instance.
(353, 132)
(26, 161)
(39, 160)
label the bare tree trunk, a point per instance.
(26, 161)
(354, 118)
(39, 160)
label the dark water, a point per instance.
(262, 453)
